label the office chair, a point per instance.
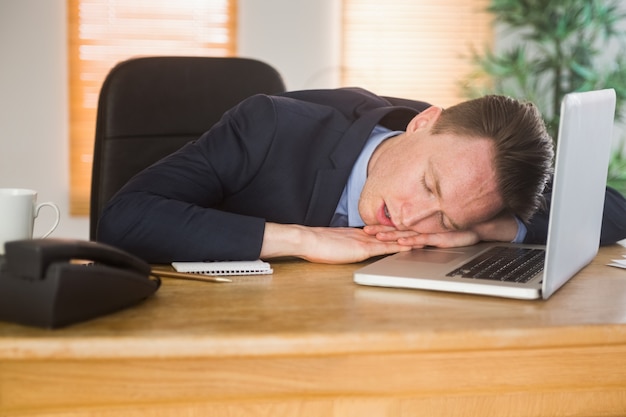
(150, 107)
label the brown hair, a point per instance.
(523, 148)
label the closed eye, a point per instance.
(436, 191)
(440, 216)
(425, 185)
(442, 222)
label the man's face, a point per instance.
(430, 184)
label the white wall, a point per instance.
(33, 106)
(299, 38)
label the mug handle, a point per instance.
(58, 216)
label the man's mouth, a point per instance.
(383, 216)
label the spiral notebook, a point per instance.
(256, 267)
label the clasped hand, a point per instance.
(347, 245)
(501, 228)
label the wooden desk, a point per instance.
(309, 342)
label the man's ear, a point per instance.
(425, 119)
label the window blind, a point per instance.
(413, 49)
(102, 33)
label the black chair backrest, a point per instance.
(150, 107)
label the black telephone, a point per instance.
(56, 282)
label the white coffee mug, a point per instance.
(18, 210)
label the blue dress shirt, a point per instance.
(347, 212)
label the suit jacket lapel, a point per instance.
(329, 183)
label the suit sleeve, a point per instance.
(613, 220)
(170, 211)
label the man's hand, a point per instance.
(332, 245)
(420, 240)
(502, 228)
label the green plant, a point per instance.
(551, 47)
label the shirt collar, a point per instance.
(349, 202)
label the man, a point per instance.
(271, 177)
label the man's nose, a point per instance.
(412, 214)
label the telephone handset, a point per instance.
(56, 282)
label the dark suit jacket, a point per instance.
(283, 159)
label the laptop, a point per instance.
(530, 271)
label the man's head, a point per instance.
(523, 149)
(457, 167)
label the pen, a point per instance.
(182, 275)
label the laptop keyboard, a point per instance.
(504, 263)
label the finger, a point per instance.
(387, 249)
(442, 240)
(395, 235)
(362, 250)
(378, 228)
